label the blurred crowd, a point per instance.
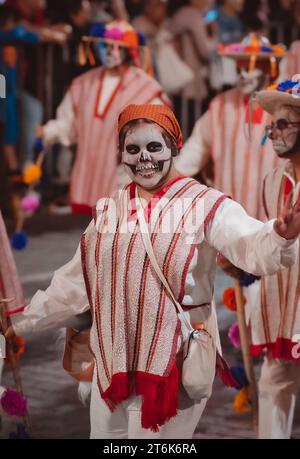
(39, 43)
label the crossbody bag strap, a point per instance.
(149, 249)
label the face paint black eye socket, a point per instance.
(282, 124)
(154, 147)
(132, 149)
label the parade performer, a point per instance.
(221, 134)
(274, 302)
(137, 335)
(87, 115)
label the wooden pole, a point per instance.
(245, 347)
(5, 323)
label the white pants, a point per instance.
(125, 421)
(278, 387)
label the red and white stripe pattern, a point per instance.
(136, 329)
(94, 172)
(240, 164)
(276, 320)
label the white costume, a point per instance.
(239, 164)
(248, 243)
(274, 310)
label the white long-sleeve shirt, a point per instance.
(248, 243)
(197, 150)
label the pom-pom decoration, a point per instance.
(114, 34)
(239, 374)
(242, 401)
(234, 335)
(30, 203)
(32, 174)
(131, 38)
(12, 402)
(229, 299)
(97, 30)
(288, 85)
(248, 279)
(19, 240)
(18, 346)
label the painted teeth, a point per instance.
(147, 167)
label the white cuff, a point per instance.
(21, 324)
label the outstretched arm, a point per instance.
(250, 244)
(64, 298)
(61, 129)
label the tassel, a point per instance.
(252, 62)
(81, 54)
(135, 56)
(224, 372)
(159, 395)
(273, 63)
(102, 51)
(160, 398)
(90, 56)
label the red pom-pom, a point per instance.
(229, 299)
(13, 403)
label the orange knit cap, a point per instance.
(159, 114)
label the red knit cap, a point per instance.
(159, 114)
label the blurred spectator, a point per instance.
(297, 13)
(31, 11)
(151, 21)
(195, 47)
(255, 16)
(10, 32)
(283, 21)
(135, 7)
(229, 23)
(78, 15)
(31, 14)
(100, 11)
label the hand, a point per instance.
(228, 267)
(39, 132)
(287, 224)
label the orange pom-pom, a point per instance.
(229, 299)
(32, 174)
(242, 401)
(18, 345)
(130, 38)
(272, 87)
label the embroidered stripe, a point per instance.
(146, 264)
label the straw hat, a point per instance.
(285, 93)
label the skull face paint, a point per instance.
(114, 55)
(146, 156)
(286, 142)
(250, 81)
